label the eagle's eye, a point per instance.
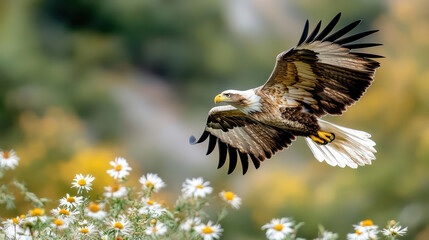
(227, 95)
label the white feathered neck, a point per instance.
(251, 102)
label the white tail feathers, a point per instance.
(350, 147)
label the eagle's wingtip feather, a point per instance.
(314, 33)
(244, 158)
(232, 159)
(328, 27)
(212, 144)
(304, 33)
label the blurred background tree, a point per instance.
(84, 81)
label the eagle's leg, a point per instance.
(323, 138)
(296, 117)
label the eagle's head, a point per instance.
(246, 101)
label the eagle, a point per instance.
(323, 74)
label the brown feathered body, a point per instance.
(279, 114)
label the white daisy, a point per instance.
(86, 230)
(152, 182)
(157, 230)
(279, 228)
(59, 224)
(365, 230)
(115, 191)
(121, 226)
(71, 201)
(366, 225)
(151, 208)
(209, 231)
(231, 199)
(95, 210)
(120, 169)
(82, 183)
(394, 230)
(190, 223)
(8, 159)
(12, 229)
(12, 221)
(196, 187)
(64, 213)
(36, 214)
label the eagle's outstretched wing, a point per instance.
(237, 133)
(322, 73)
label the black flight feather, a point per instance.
(314, 33)
(232, 159)
(355, 37)
(244, 161)
(267, 153)
(341, 32)
(361, 45)
(212, 144)
(255, 161)
(304, 33)
(222, 153)
(328, 28)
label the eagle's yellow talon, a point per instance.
(328, 137)
(322, 138)
(317, 140)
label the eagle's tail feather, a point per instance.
(351, 147)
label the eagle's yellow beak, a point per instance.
(220, 98)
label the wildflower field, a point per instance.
(129, 212)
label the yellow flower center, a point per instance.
(115, 188)
(358, 232)
(278, 227)
(93, 207)
(154, 229)
(118, 167)
(84, 230)
(153, 221)
(58, 222)
(118, 225)
(81, 182)
(229, 196)
(367, 222)
(71, 199)
(15, 220)
(150, 202)
(207, 230)
(64, 212)
(199, 186)
(36, 212)
(6, 154)
(150, 184)
(22, 216)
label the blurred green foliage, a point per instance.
(84, 81)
